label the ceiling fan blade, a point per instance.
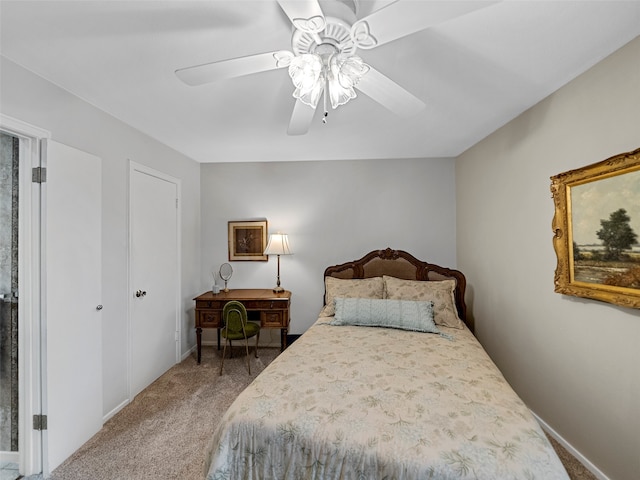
(389, 94)
(300, 119)
(235, 67)
(403, 18)
(305, 15)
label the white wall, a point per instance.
(74, 122)
(333, 212)
(575, 362)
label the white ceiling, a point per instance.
(475, 72)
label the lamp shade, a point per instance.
(278, 245)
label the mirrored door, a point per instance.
(9, 190)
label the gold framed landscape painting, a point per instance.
(596, 230)
(248, 240)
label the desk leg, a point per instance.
(283, 339)
(199, 342)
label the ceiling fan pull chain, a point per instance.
(326, 110)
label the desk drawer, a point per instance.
(215, 304)
(208, 318)
(265, 304)
(273, 319)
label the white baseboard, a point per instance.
(114, 411)
(187, 353)
(581, 458)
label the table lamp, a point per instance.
(278, 245)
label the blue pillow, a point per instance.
(372, 312)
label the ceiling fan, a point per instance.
(323, 61)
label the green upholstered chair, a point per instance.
(236, 327)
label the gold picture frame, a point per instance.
(596, 230)
(248, 240)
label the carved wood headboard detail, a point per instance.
(400, 264)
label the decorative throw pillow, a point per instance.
(441, 293)
(350, 288)
(372, 312)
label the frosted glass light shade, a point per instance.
(307, 74)
(312, 74)
(344, 73)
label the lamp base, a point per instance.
(278, 289)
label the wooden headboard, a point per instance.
(400, 264)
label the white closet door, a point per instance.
(73, 266)
(155, 275)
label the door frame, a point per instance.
(32, 141)
(133, 167)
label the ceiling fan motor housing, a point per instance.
(339, 17)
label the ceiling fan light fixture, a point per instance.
(344, 73)
(312, 74)
(308, 76)
(348, 69)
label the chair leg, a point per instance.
(223, 355)
(257, 340)
(246, 346)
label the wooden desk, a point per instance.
(271, 309)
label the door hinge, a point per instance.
(176, 203)
(38, 175)
(39, 422)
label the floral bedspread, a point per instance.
(346, 402)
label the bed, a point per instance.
(355, 398)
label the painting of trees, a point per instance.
(596, 230)
(616, 234)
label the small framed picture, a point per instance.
(248, 240)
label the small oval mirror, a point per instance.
(225, 273)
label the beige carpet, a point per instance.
(575, 469)
(163, 433)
